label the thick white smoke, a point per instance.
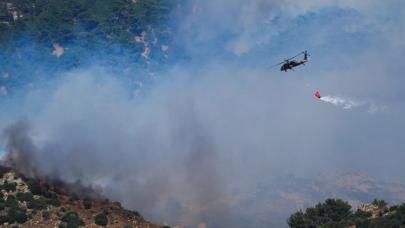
(175, 153)
(347, 103)
(338, 101)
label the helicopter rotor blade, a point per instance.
(278, 64)
(301, 53)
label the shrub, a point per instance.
(3, 219)
(2, 171)
(17, 215)
(11, 202)
(46, 215)
(362, 214)
(87, 204)
(54, 200)
(2, 204)
(24, 196)
(39, 204)
(133, 213)
(72, 219)
(34, 187)
(10, 187)
(101, 219)
(393, 208)
(118, 204)
(379, 203)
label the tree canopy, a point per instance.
(338, 213)
(84, 31)
(64, 21)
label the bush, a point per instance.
(87, 204)
(379, 203)
(72, 219)
(362, 214)
(101, 219)
(46, 215)
(3, 219)
(2, 204)
(54, 200)
(10, 187)
(11, 202)
(24, 196)
(2, 171)
(40, 204)
(34, 187)
(393, 208)
(17, 215)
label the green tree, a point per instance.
(332, 212)
(11, 202)
(24, 196)
(101, 219)
(298, 220)
(17, 215)
(10, 187)
(72, 219)
(379, 203)
(34, 187)
(39, 204)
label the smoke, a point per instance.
(192, 145)
(20, 147)
(239, 27)
(347, 103)
(338, 101)
(167, 148)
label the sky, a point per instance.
(224, 119)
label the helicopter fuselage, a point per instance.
(289, 65)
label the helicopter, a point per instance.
(289, 64)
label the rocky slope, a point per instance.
(26, 202)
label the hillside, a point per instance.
(28, 202)
(46, 38)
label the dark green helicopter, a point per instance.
(290, 63)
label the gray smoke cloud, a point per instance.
(175, 145)
(179, 150)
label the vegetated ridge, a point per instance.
(338, 213)
(28, 202)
